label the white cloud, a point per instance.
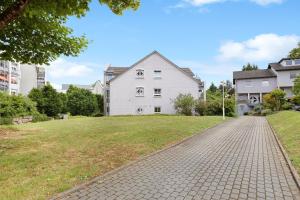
(202, 2)
(264, 47)
(267, 2)
(63, 69)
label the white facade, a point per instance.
(95, 88)
(20, 79)
(148, 87)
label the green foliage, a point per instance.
(48, 100)
(266, 112)
(64, 99)
(6, 120)
(39, 34)
(40, 118)
(295, 53)
(201, 108)
(16, 106)
(184, 104)
(212, 88)
(81, 102)
(296, 88)
(100, 102)
(296, 100)
(274, 100)
(287, 106)
(228, 88)
(249, 67)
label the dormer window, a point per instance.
(297, 62)
(288, 62)
(140, 73)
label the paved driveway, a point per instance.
(236, 160)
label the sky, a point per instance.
(212, 37)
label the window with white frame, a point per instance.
(288, 62)
(139, 110)
(157, 109)
(157, 74)
(140, 73)
(297, 62)
(139, 92)
(157, 92)
(265, 83)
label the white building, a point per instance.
(95, 88)
(20, 79)
(148, 86)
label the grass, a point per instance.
(287, 127)
(41, 159)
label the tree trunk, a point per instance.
(12, 12)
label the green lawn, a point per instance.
(41, 159)
(287, 127)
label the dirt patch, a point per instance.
(9, 133)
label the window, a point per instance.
(139, 91)
(288, 62)
(157, 74)
(139, 110)
(157, 92)
(157, 110)
(293, 75)
(297, 62)
(140, 73)
(265, 83)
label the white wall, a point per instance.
(123, 98)
(284, 79)
(28, 78)
(242, 86)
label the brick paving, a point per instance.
(239, 159)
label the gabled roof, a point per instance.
(260, 73)
(118, 71)
(279, 67)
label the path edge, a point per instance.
(130, 163)
(292, 169)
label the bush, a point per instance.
(40, 118)
(81, 102)
(266, 112)
(6, 120)
(296, 100)
(275, 100)
(47, 99)
(287, 106)
(201, 108)
(184, 104)
(16, 106)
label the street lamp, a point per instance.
(223, 98)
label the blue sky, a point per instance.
(212, 37)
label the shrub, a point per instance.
(184, 104)
(6, 120)
(16, 106)
(201, 108)
(275, 100)
(40, 118)
(81, 102)
(266, 112)
(296, 100)
(287, 106)
(47, 99)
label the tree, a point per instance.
(81, 102)
(296, 88)
(47, 99)
(249, 67)
(34, 31)
(275, 100)
(212, 88)
(100, 102)
(228, 88)
(184, 104)
(295, 53)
